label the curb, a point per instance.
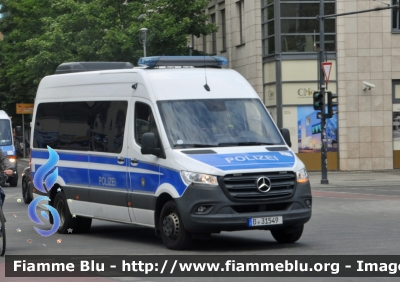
(341, 179)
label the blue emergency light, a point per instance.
(181, 61)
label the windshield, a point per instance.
(5, 133)
(218, 123)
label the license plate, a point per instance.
(259, 221)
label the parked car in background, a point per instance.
(7, 146)
(27, 185)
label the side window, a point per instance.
(84, 126)
(74, 130)
(395, 17)
(107, 126)
(144, 122)
(45, 132)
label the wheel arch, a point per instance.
(52, 195)
(162, 199)
(53, 191)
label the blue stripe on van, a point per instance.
(253, 160)
(173, 177)
(74, 176)
(71, 176)
(144, 182)
(113, 179)
(108, 179)
(63, 156)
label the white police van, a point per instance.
(7, 146)
(179, 144)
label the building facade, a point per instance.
(274, 44)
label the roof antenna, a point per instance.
(205, 71)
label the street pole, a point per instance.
(23, 135)
(143, 38)
(322, 86)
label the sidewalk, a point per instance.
(338, 179)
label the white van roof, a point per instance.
(161, 84)
(188, 83)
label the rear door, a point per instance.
(107, 161)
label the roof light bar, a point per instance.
(174, 61)
(72, 67)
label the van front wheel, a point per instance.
(173, 233)
(288, 235)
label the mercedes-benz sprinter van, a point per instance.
(183, 145)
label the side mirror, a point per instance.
(286, 135)
(149, 146)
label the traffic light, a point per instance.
(331, 103)
(318, 102)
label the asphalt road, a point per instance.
(340, 225)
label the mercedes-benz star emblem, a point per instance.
(263, 184)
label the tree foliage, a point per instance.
(41, 34)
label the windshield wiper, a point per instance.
(226, 144)
(255, 143)
(196, 145)
(244, 144)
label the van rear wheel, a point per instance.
(67, 222)
(288, 235)
(173, 232)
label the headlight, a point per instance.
(194, 177)
(302, 176)
(12, 159)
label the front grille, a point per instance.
(243, 186)
(260, 208)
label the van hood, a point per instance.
(220, 161)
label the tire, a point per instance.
(173, 232)
(286, 236)
(2, 232)
(67, 222)
(84, 224)
(26, 192)
(14, 181)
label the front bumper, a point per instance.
(207, 209)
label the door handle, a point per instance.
(120, 160)
(134, 162)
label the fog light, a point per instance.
(201, 209)
(308, 203)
